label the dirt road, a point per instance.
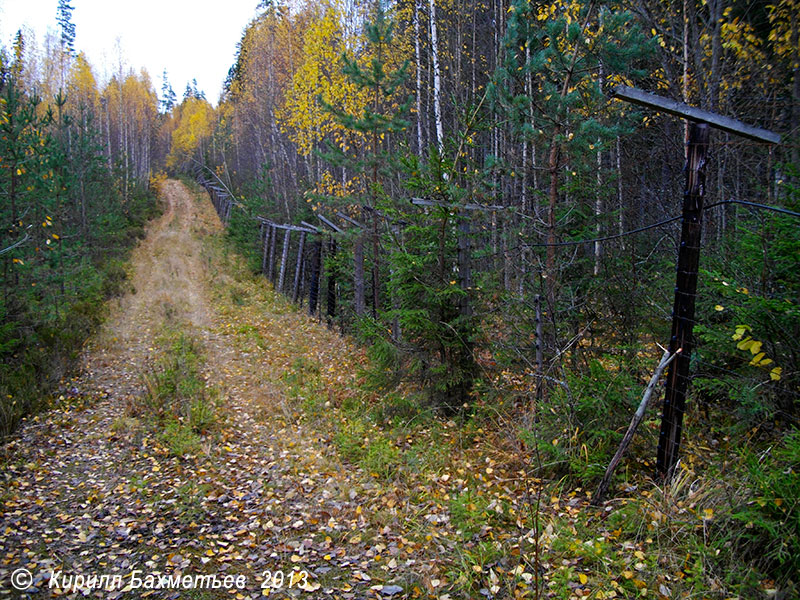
(91, 489)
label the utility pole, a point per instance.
(699, 121)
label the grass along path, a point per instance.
(217, 430)
(95, 487)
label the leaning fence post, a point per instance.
(265, 247)
(358, 274)
(271, 266)
(298, 267)
(313, 287)
(284, 259)
(332, 280)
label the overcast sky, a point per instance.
(190, 38)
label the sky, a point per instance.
(190, 38)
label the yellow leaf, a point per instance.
(775, 374)
(310, 586)
(719, 308)
(708, 514)
(755, 347)
(583, 579)
(756, 359)
(745, 343)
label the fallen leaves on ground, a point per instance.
(90, 488)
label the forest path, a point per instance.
(92, 488)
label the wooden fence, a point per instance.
(293, 256)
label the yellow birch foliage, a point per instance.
(320, 76)
(195, 126)
(82, 87)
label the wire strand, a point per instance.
(662, 223)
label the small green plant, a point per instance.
(176, 398)
(381, 458)
(180, 439)
(468, 512)
(473, 563)
(349, 439)
(582, 432)
(174, 389)
(770, 518)
(190, 500)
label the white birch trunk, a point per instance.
(418, 53)
(437, 83)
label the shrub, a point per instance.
(586, 421)
(770, 536)
(175, 391)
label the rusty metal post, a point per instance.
(669, 441)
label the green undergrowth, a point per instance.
(43, 328)
(177, 401)
(389, 439)
(725, 526)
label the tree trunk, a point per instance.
(437, 84)
(598, 213)
(553, 166)
(418, 55)
(358, 275)
(795, 117)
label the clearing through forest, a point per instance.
(93, 489)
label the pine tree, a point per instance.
(384, 116)
(550, 87)
(64, 18)
(168, 97)
(196, 93)
(427, 332)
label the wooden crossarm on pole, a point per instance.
(330, 224)
(698, 115)
(425, 202)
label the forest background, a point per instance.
(354, 109)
